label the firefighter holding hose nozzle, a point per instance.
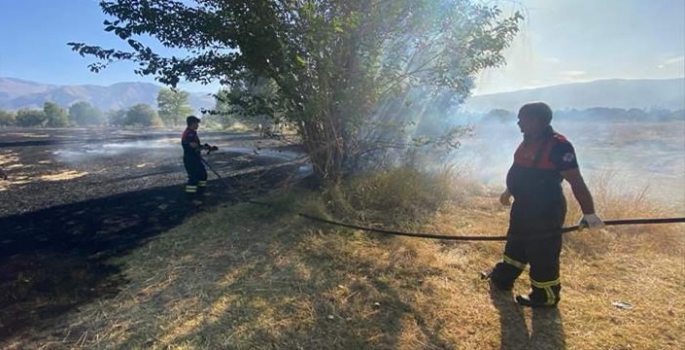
(192, 160)
(542, 161)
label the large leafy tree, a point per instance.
(7, 118)
(84, 114)
(341, 68)
(173, 106)
(31, 118)
(223, 109)
(142, 115)
(251, 100)
(56, 116)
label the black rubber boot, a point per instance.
(487, 275)
(524, 300)
(503, 276)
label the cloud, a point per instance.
(572, 73)
(551, 60)
(671, 61)
(532, 84)
(575, 76)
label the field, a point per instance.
(632, 159)
(75, 198)
(110, 259)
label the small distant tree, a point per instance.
(222, 112)
(56, 116)
(173, 106)
(675, 115)
(499, 116)
(7, 118)
(84, 114)
(142, 115)
(28, 118)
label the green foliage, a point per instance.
(84, 114)
(173, 106)
(116, 117)
(251, 100)
(7, 118)
(223, 110)
(142, 115)
(335, 65)
(31, 118)
(56, 116)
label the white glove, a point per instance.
(591, 221)
(505, 198)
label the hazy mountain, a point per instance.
(11, 88)
(17, 94)
(613, 93)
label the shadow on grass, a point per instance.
(251, 287)
(56, 259)
(547, 328)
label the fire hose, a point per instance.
(540, 235)
(205, 162)
(492, 238)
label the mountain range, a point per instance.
(17, 93)
(613, 93)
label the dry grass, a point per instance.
(63, 176)
(8, 160)
(247, 277)
(28, 135)
(21, 174)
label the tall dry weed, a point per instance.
(613, 202)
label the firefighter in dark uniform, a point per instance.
(542, 161)
(192, 159)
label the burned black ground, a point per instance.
(120, 191)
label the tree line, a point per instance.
(355, 78)
(172, 109)
(599, 114)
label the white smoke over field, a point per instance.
(86, 152)
(631, 157)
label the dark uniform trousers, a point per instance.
(197, 176)
(536, 241)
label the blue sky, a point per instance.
(561, 41)
(33, 43)
(564, 41)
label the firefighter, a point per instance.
(192, 160)
(542, 161)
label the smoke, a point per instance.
(636, 155)
(88, 152)
(488, 153)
